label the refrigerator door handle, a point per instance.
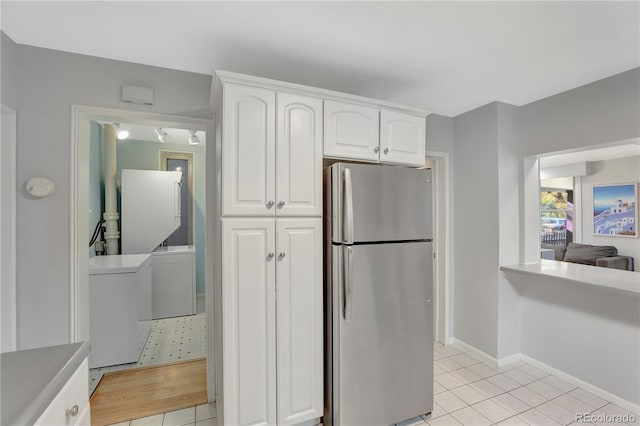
(347, 263)
(348, 208)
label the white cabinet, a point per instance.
(173, 284)
(249, 328)
(252, 185)
(299, 156)
(299, 320)
(351, 131)
(120, 308)
(402, 138)
(248, 151)
(70, 407)
(272, 305)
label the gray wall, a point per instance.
(8, 63)
(607, 110)
(475, 235)
(144, 155)
(48, 83)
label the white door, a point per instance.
(299, 156)
(248, 151)
(402, 138)
(299, 301)
(249, 321)
(351, 131)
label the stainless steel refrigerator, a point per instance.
(378, 294)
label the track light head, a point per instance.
(162, 135)
(120, 132)
(193, 138)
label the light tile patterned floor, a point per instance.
(473, 392)
(468, 390)
(201, 415)
(170, 340)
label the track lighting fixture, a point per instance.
(162, 135)
(193, 138)
(120, 132)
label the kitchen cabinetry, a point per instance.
(248, 151)
(355, 132)
(70, 407)
(402, 138)
(299, 156)
(173, 283)
(272, 272)
(120, 308)
(299, 320)
(253, 185)
(267, 254)
(351, 131)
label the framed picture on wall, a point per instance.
(615, 210)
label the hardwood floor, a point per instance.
(141, 392)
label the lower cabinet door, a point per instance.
(299, 320)
(249, 321)
(69, 405)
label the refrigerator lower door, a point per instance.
(383, 349)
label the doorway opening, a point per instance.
(169, 335)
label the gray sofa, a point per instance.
(605, 256)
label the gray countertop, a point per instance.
(32, 378)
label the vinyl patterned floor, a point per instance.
(170, 340)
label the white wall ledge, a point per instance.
(627, 281)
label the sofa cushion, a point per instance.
(587, 254)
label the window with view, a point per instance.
(556, 217)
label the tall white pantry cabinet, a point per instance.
(269, 293)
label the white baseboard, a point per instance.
(473, 349)
(627, 405)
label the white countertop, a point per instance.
(617, 279)
(117, 264)
(169, 250)
(32, 378)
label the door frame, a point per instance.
(8, 259)
(81, 116)
(442, 178)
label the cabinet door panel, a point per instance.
(299, 156)
(351, 131)
(249, 328)
(402, 138)
(299, 334)
(248, 151)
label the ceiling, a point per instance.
(141, 132)
(448, 57)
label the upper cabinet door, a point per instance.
(299, 323)
(402, 138)
(299, 156)
(249, 326)
(351, 131)
(248, 151)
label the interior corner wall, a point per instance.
(49, 82)
(476, 232)
(8, 71)
(621, 170)
(144, 155)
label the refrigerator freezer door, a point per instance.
(389, 203)
(383, 354)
